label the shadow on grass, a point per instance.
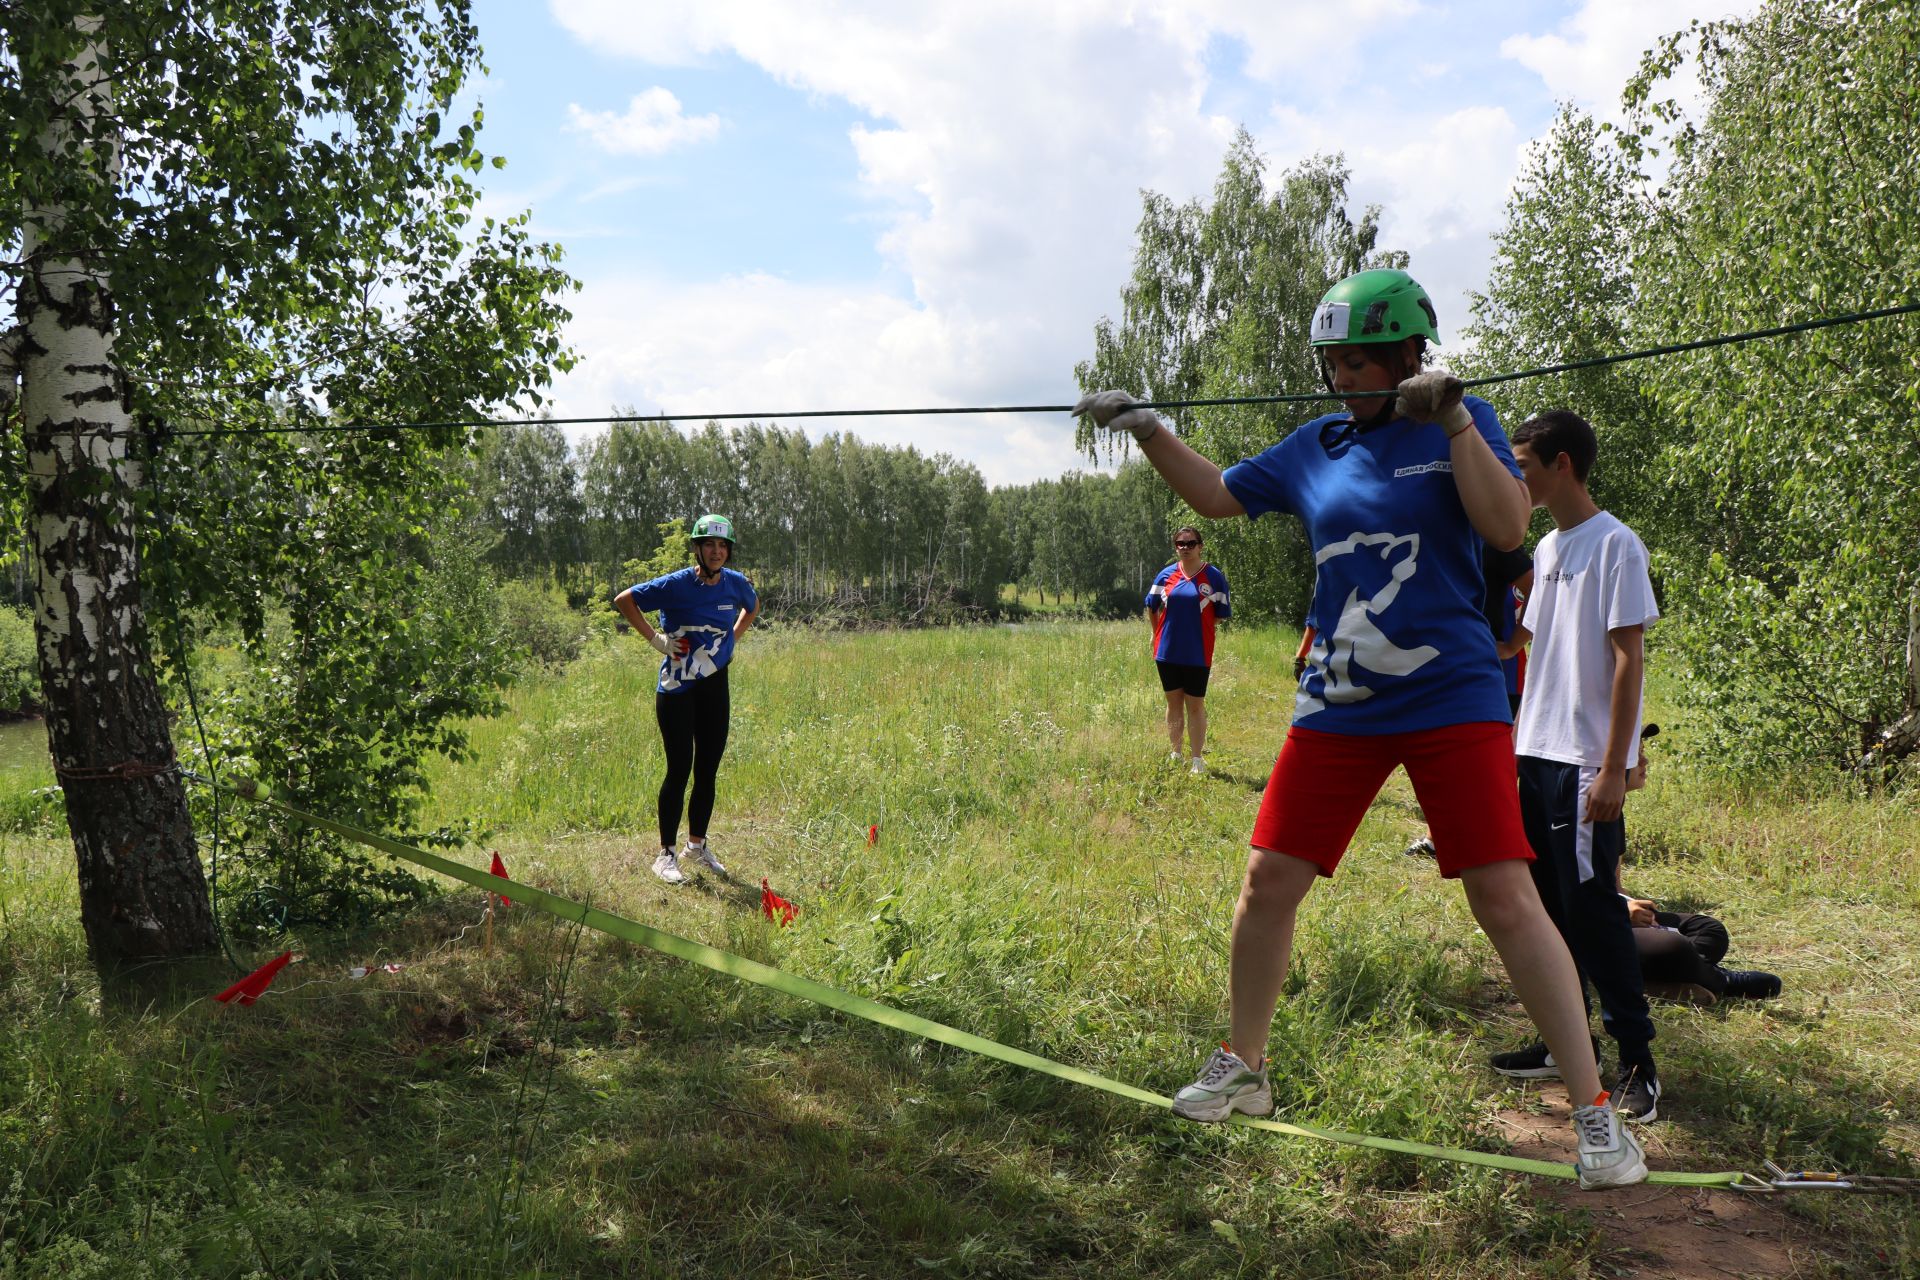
(1255, 783)
(660, 1120)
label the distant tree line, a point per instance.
(836, 524)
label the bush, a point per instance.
(539, 620)
(19, 672)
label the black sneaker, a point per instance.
(1636, 1094)
(1751, 984)
(1421, 848)
(1534, 1062)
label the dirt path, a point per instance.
(1669, 1233)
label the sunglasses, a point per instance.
(1184, 543)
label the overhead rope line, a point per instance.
(927, 411)
(899, 1019)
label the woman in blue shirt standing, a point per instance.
(704, 609)
(1188, 597)
(1398, 494)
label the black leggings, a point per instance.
(1692, 954)
(693, 726)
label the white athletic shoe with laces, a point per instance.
(1199, 767)
(699, 852)
(667, 867)
(1225, 1085)
(1610, 1156)
(1174, 757)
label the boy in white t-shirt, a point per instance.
(1578, 734)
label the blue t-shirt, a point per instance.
(1184, 611)
(1401, 643)
(703, 614)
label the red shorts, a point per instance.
(1462, 774)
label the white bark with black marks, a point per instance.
(1903, 739)
(142, 893)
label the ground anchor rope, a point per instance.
(900, 1020)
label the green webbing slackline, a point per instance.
(885, 1015)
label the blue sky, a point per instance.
(852, 203)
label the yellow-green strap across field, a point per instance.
(885, 1015)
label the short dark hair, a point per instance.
(1198, 536)
(1559, 431)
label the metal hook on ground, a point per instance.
(1807, 1180)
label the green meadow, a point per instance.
(562, 1104)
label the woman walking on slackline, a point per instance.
(704, 610)
(1397, 494)
(1187, 598)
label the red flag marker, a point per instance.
(873, 834)
(255, 984)
(772, 904)
(500, 869)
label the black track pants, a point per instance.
(1574, 869)
(693, 727)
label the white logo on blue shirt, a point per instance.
(697, 662)
(1356, 642)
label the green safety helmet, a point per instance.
(713, 526)
(1374, 306)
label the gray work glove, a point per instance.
(1434, 396)
(1118, 411)
(667, 645)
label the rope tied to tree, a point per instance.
(120, 771)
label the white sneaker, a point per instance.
(1225, 1085)
(1174, 757)
(667, 867)
(704, 856)
(1199, 769)
(1610, 1156)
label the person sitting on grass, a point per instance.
(1680, 954)
(1396, 494)
(1577, 737)
(1187, 598)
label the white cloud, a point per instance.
(653, 125)
(1589, 59)
(1442, 185)
(1003, 155)
(758, 343)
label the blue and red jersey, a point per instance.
(1184, 611)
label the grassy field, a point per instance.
(567, 1105)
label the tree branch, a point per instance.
(10, 344)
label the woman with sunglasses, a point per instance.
(704, 609)
(1188, 597)
(1398, 494)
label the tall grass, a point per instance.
(1041, 877)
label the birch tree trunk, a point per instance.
(142, 893)
(1903, 739)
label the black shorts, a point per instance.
(1189, 680)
